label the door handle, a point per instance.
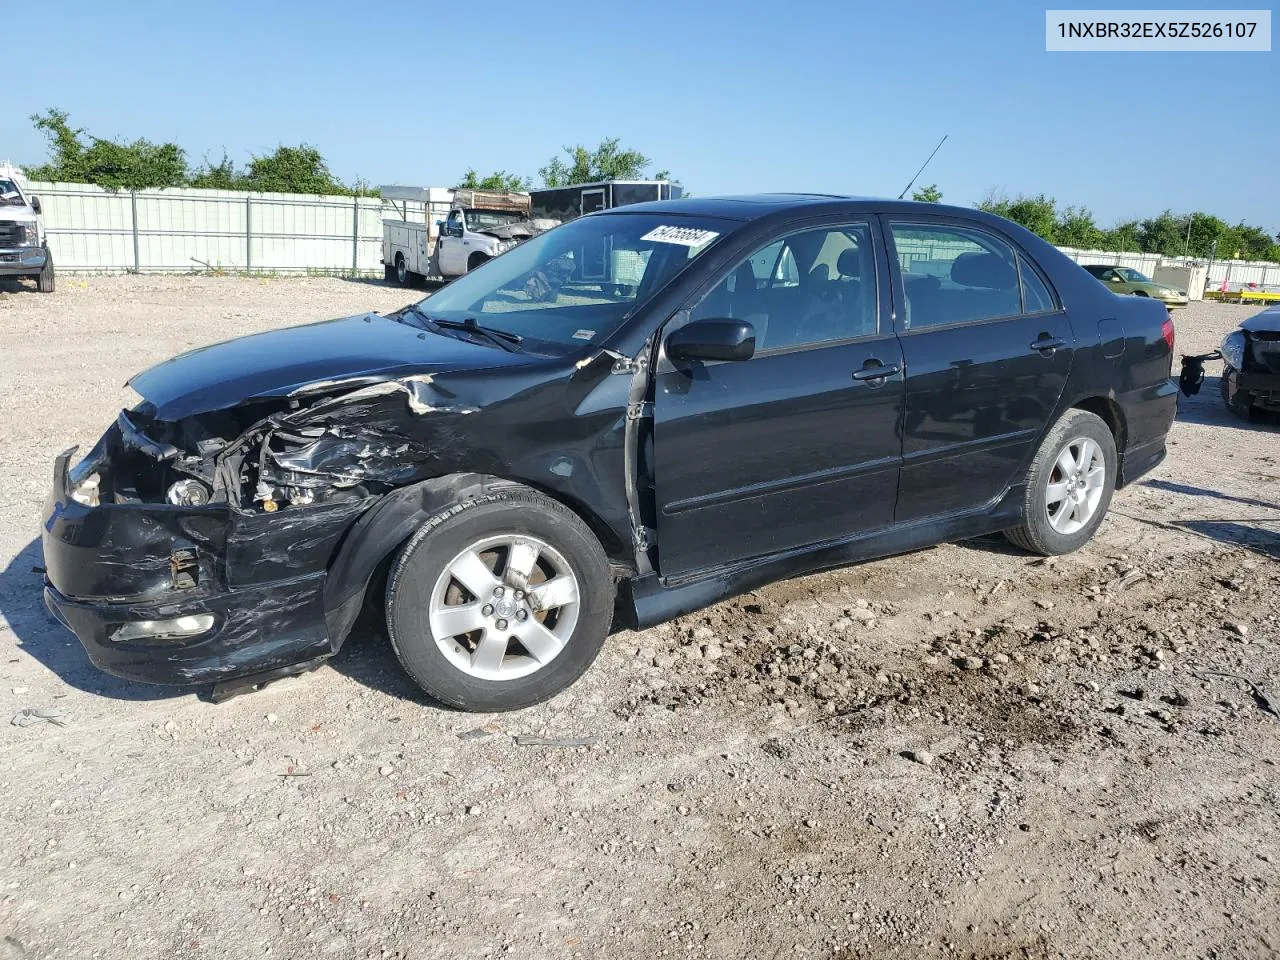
(877, 372)
(1047, 345)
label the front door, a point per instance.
(451, 254)
(987, 350)
(799, 445)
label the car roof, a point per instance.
(756, 206)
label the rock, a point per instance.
(1001, 658)
(271, 718)
(711, 651)
(970, 663)
(1237, 628)
(923, 757)
(1094, 686)
(664, 661)
(1044, 604)
(386, 770)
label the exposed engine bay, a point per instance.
(341, 441)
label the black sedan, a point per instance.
(629, 417)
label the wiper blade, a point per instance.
(502, 338)
(414, 308)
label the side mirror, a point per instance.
(35, 204)
(713, 340)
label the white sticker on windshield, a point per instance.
(584, 335)
(684, 236)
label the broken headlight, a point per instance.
(86, 489)
(188, 493)
(1233, 347)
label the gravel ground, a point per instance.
(965, 752)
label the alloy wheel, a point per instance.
(1076, 485)
(504, 607)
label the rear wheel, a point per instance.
(404, 276)
(1069, 485)
(44, 279)
(499, 602)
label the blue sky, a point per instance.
(731, 97)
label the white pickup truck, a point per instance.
(476, 226)
(23, 250)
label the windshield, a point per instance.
(1133, 276)
(486, 219)
(9, 192)
(574, 285)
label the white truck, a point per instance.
(24, 251)
(460, 230)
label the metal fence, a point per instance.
(1236, 273)
(181, 230)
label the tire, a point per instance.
(1241, 405)
(475, 260)
(466, 670)
(44, 279)
(404, 276)
(1046, 529)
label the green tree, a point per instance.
(1076, 228)
(609, 161)
(77, 156)
(1162, 234)
(499, 180)
(927, 194)
(219, 176)
(299, 169)
(1038, 214)
(1123, 236)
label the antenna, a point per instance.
(922, 166)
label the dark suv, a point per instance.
(783, 384)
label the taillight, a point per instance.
(1166, 331)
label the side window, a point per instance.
(954, 275)
(453, 226)
(1036, 297)
(807, 288)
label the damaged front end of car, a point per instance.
(1250, 356)
(196, 549)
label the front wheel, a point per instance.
(44, 279)
(1069, 486)
(499, 602)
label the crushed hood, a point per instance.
(1268, 321)
(304, 359)
(522, 230)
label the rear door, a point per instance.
(798, 445)
(987, 350)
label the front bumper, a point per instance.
(180, 595)
(20, 261)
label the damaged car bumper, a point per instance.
(180, 594)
